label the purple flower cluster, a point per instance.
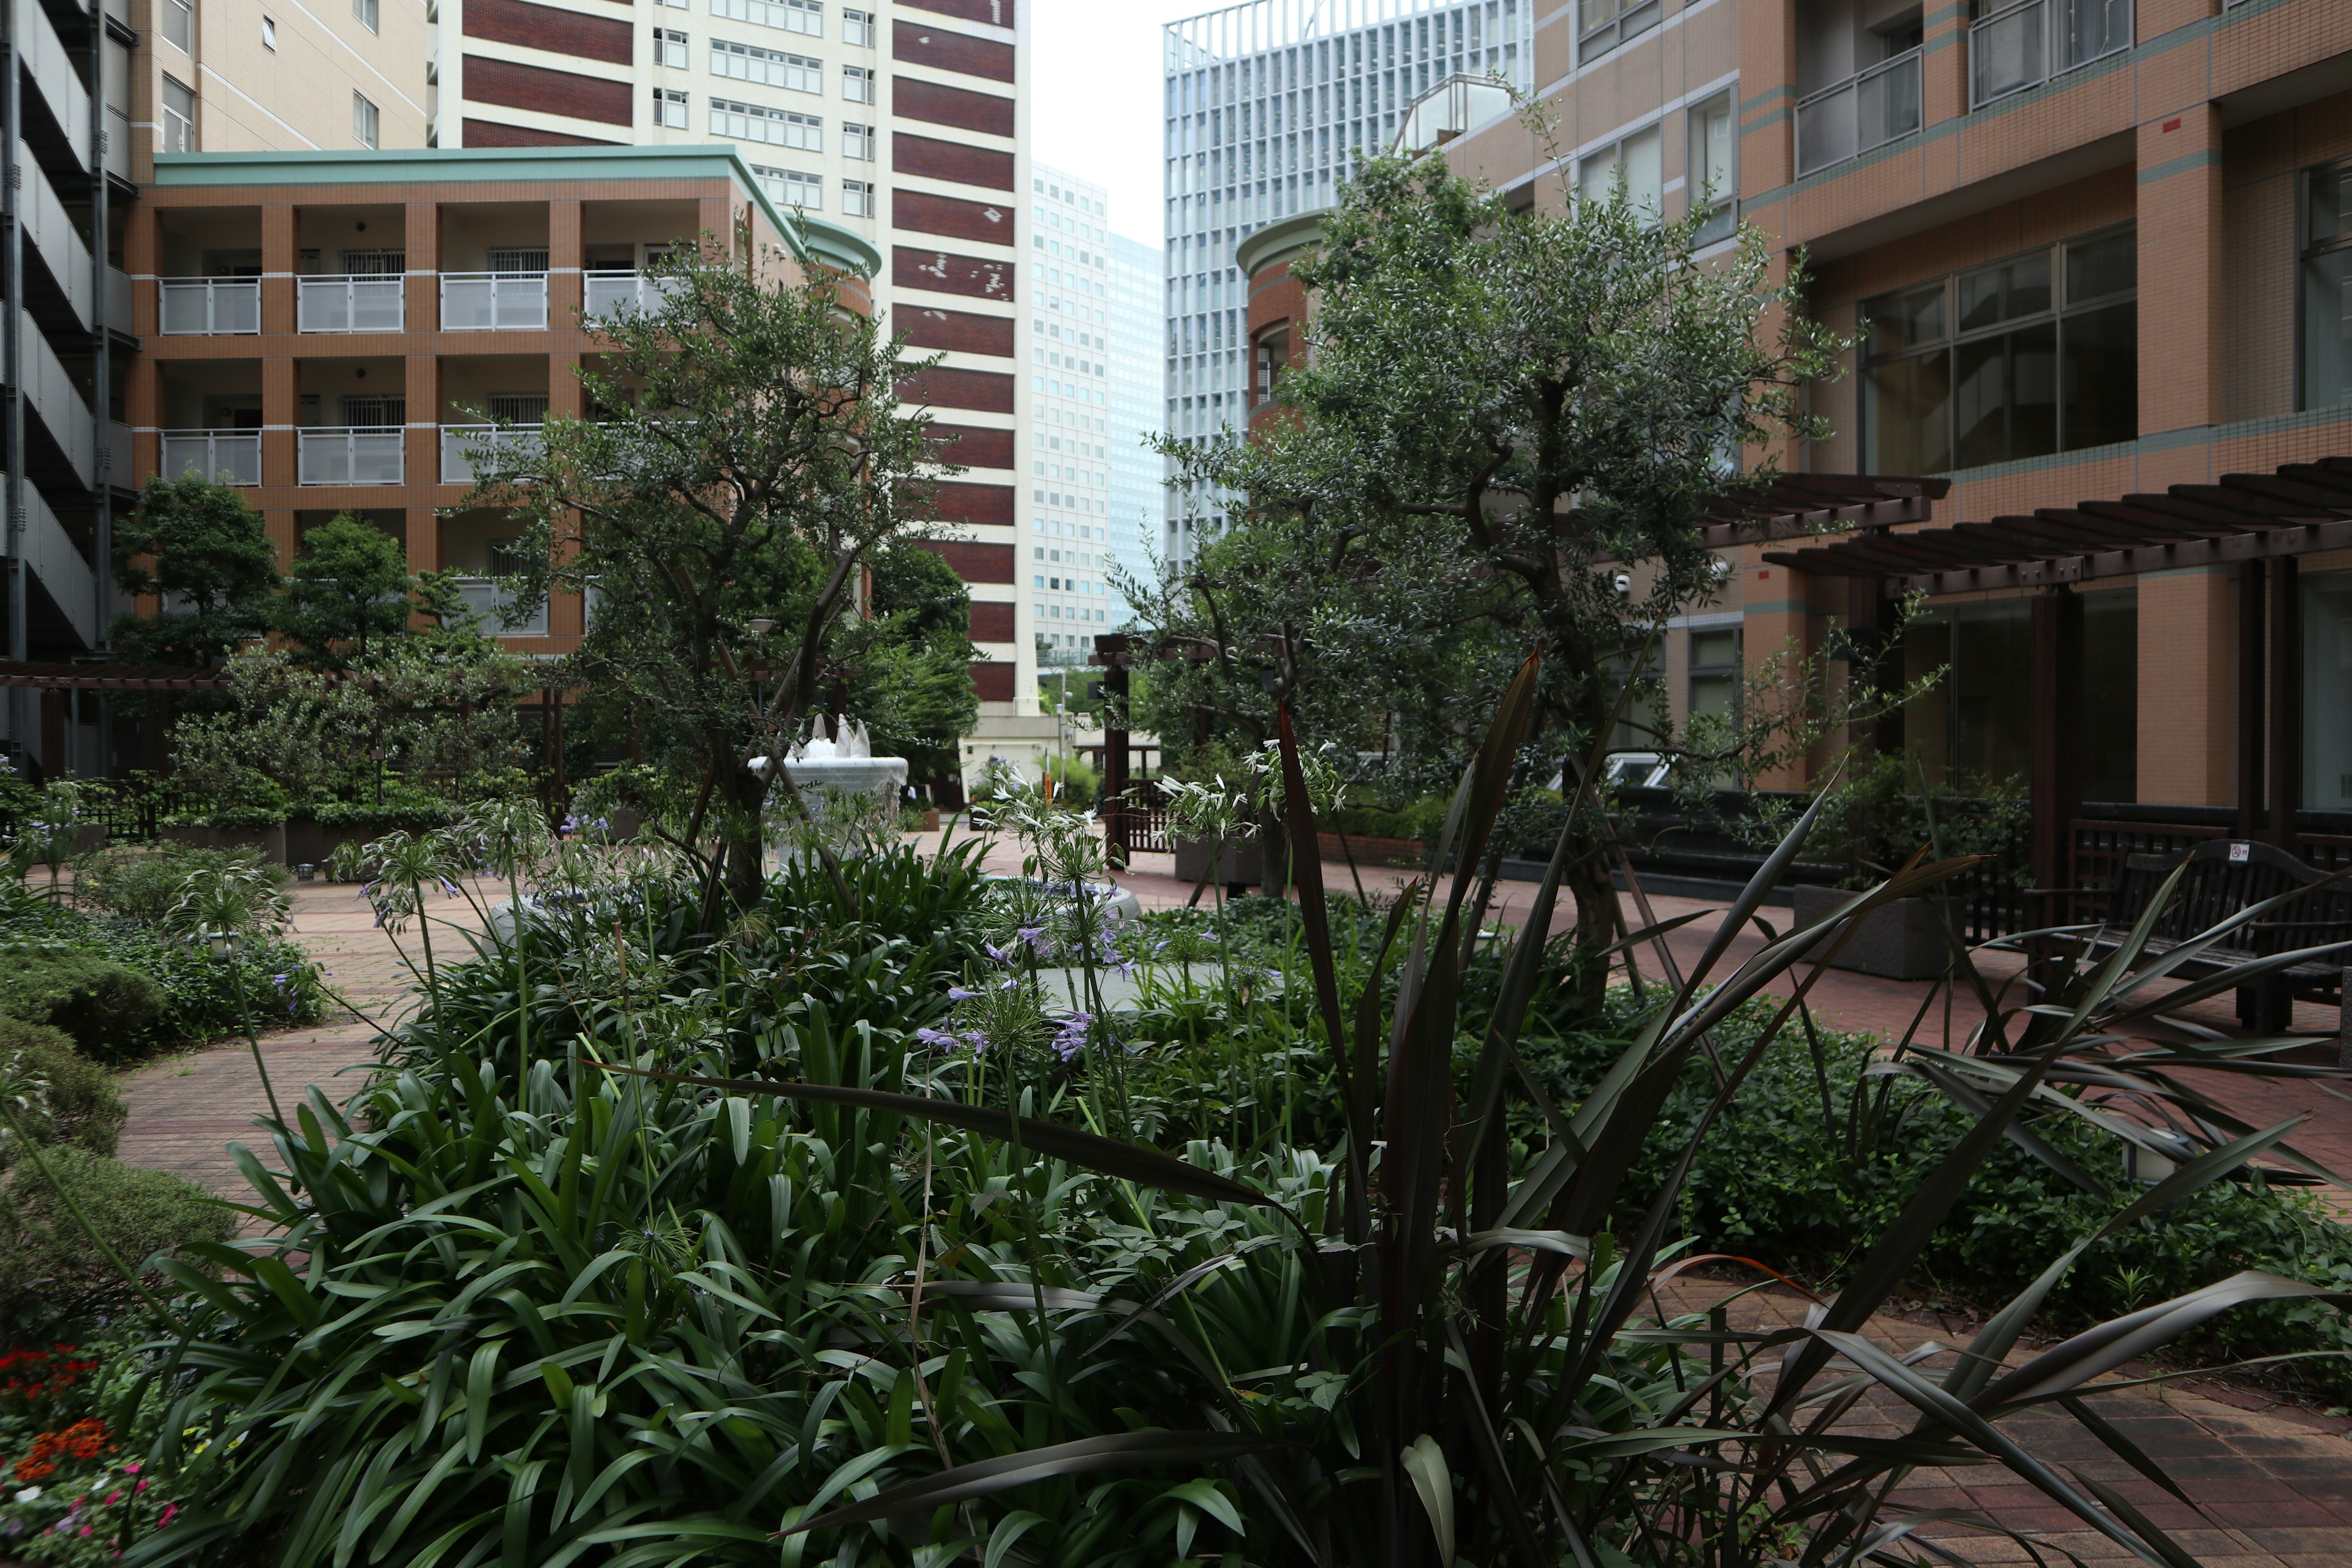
(1072, 1037)
(971, 1039)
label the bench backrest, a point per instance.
(2218, 878)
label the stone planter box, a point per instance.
(1902, 941)
(1240, 863)
(1374, 851)
(310, 843)
(270, 840)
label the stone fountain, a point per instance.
(825, 768)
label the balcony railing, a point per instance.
(193, 305)
(2028, 44)
(353, 456)
(224, 457)
(1867, 109)
(461, 444)
(362, 303)
(489, 600)
(620, 293)
(493, 301)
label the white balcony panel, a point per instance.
(350, 304)
(209, 305)
(342, 455)
(2027, 44)
(63, 572)
(224, 457)
(57, 401)
(50, 232)
(460, 444)
(51, 72)
(611, 293)
(489, 600)
(493, 301)
(118, 142)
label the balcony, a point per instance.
(1867, 110)
(460, 444)
(489, 600)
(362, 303)
(224, 457)
(201, 305)
(353, 456)
(2032, 42)
(622, 293)
(494, 302)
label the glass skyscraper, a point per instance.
(1138, 496)
(1269, 104)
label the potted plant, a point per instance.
(1880, 814)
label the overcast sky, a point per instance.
(1095, 107)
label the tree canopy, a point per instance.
(207, 555)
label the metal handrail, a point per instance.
(224, 457)
(611, 293)
(493, 301)
(1835, 124)
(195, 306)
(353, 302)
(352, 455)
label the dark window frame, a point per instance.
(2062, 308)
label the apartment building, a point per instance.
(901, 121)
(2094, 258)
(1139, 379)
(1270, 105)
(101, 91)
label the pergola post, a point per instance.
(2251, 641)
(2283, 771)
(1111, 655)
(2056, 778)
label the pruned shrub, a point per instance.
(80, 1106)
(53, 1277)
(109, 1008)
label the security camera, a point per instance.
(1623, 584)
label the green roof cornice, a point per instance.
(1278, 242)
(808, 237)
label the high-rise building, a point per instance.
(1064, 574)
(1138, 378)
(101, 91)
(1269, 105)
(904, 121)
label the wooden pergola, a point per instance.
(2259, 522)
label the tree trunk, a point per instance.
(1595, 891)
(745, 839)
(1273, 851)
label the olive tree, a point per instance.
(744, 456)
(1562, 395)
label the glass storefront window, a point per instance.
(2326, 604)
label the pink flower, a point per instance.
(131, 1468)
(141, 1486)
(169, 1510)
(114, 1497)
(85, 1530)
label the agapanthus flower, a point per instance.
(1072, 1037)
(959, 993)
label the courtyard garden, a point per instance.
(746, 1179)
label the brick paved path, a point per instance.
(2271, 1484)
(186, 1110)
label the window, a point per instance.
(2327, 286)
(178, 118)
(1603, 25)
(857, 29)
(1273, 360)
(517, 259)
(745, 62)
(857, 199)
(777, 127)
(669, 48)
(858, 84)
(2033, 356)
(519, 408)
(1712, 682)
(180, 24)
(804, 16)
(669, 109)
(363, 120)
(858, 141)
(270, 34)
(792, 187)
(1714, 181)
(1642, 157)
(365, 10)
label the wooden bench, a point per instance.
(2221, 879)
